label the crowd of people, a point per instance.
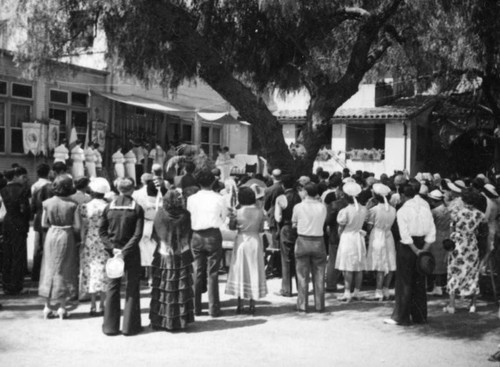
(433, 235)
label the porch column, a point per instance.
(197, 129)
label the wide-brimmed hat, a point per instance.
(99, 185)
(348, 179)
(491, 190)
(461, 184)
(436, 195)
(452, 186)
(351, 189)
(115, 267)
(426, 263)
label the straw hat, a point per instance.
(460, 184)
(491, 189)
(436, 195)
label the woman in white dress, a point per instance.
(93, 255)
(351, 256)
(119, 160)
(247, 278)
(381, 248)
(150, 203)
(78, 156)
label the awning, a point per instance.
(169, 108)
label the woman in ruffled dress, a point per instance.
(381, 248)
(59, 272)
(351, 255)
(247, 278)
(463, 261)
(93, 255)
(172, 295)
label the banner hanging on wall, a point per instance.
(53, 134)
(31, 137)
(99, 134)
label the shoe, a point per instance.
(47, 313)
(390, 322)
(62, 313)
(472, 309)
(449, 309)
(300, 310)
(215, 314)
(345, 298)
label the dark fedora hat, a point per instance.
(425, 263)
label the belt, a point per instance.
(206, 229)
(61, 227)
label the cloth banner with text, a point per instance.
(53, 134)
(99, 134)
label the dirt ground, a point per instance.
(345, 335)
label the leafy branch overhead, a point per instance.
(242, 48)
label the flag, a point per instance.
(31, 137)
(72, 139)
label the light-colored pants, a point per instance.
(310, 258)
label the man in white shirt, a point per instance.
(208, 213)
(310, 252)
(418, 232)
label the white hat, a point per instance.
(460, 184)
(276, 172)
(99, 185)
(381, 189)
(155, 167)
(351, 189)
(491, 189)
(452, 186)
(115, 267)
(303, 180)
(259, 191)
(348, 179)
(436, 195)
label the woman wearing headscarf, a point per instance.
(381, 249)
(172, 296)
(351, 256)
(59, 273)
(463, 261)
(93, 254)
(247, 278)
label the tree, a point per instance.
(241, 48)
(449, 39)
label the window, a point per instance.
(19, 113)
(79, 120)
(187, 133)
(22, 90)
(2, 126)
(16, 107)
(210, 140)
(363, 137)
(71, 110)
(58, 96)
(59, 115)
(3, 88)
(79, 99)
